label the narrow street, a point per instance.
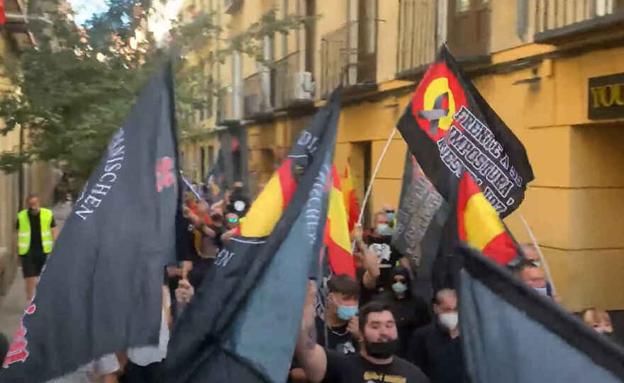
(11, 306)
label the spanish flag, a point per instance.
(479, 225)
(270, 204)
(350, 198)
(251, 300)
(337, 237)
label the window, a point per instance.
(463, 5)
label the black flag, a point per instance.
(420, 222)
(450, 129)
(510, 333)
(243, 322)
(100, 291)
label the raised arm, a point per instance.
(368, 259)
(309, 354)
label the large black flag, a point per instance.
(100, 291)
(451, 129)
(243, 322)
(420, 220)
(512, 334)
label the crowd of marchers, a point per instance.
(376, 327)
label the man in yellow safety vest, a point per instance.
(35, 238)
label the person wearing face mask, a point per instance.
(390, 215)
(533, 275)
(436, 348)
(379, 241)
(338, 329)
(376, 361)
(410, 312)
(36, 233)
(530, 255)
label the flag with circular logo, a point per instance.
(450, 129)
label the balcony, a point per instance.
(257, 94)
(417, 34)
(226, 114)
(293, 87)
(425, 24)
(563, 21)
(349, 56)
(16, 23)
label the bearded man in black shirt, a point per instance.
(374, 363)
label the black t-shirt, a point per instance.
(184, 239)
(437, 354)
(210, 248)
(336, 338)
(354, 368)
(35, 232)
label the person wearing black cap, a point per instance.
(410, 311)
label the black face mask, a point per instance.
(381, 350)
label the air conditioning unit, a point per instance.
(304, 86)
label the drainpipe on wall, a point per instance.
(352, 42)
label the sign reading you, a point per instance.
(606, 97)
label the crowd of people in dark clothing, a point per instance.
(377, 327)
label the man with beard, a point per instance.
(374, 363)
(410, 311)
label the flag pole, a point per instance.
(374, 175)
(539, 252)
(190, 187)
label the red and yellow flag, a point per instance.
(479, 224)
(350, 199)
(266, 211)
(337, 237)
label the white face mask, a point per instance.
(449, 320)
(541, 290)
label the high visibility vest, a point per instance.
(23, 233)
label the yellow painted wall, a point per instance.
(269, 144)
(191, 158)
(574, 205)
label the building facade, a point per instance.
(36, 178)
(553, 70)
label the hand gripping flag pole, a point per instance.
(369, 188)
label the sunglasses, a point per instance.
(232, 220)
